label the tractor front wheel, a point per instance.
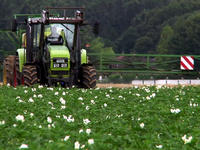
(88, 76)
(30, 75)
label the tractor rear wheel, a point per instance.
(9, 71)
(4, 73)
(88, 76)
(30, 75)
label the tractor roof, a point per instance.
(71, 15)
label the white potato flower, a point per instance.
(31, 114)
(33, 89)
(80, 98)
(175, 111)
(66, 137)
(76, 145)
(87, 107)
(18, 97)
(70, 118)
(63, 107)
(50, 103)
(40, 86)
(49, 120)
(83, 146)
(62, 101)
(186, 140)
(40, 96)
(142, 125)
(107, 95)
(159, 146)
(92, 101)
(91, 141)
(153, 94)
(21, 101)
(51, 89)
(81, 130)
(2, 122)
(63, 93)
(137, 94)
(86, 121)
(65, 117)
(148, 98)
(23, 146)
(31, 100)
(20, 118)
(53, 125)
(49, 126)
(88, 131)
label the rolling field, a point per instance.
(140, 118)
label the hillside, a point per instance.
(125, 26)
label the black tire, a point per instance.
(10, 71)
(30, 75)
(88, 76)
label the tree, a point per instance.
(186, 35)
(98, 47)
(166, 36)
(143, 45)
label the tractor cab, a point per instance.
(59, 34)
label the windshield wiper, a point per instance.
(68, 28)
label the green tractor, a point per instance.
(50, 51)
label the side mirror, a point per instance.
(14, 25)
(96, 28)
(79, 14)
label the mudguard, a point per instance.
(22, 59)
(83, 56)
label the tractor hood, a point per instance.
(58, 51)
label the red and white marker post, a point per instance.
(187, 63)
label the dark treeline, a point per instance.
(126, 26)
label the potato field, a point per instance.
(135, 118)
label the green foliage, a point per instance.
(166, 37)
(143, 44)
(115, 78)
(97, 46)
(128, 118)
(121, 78)
(186, 35)
(130, 26)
